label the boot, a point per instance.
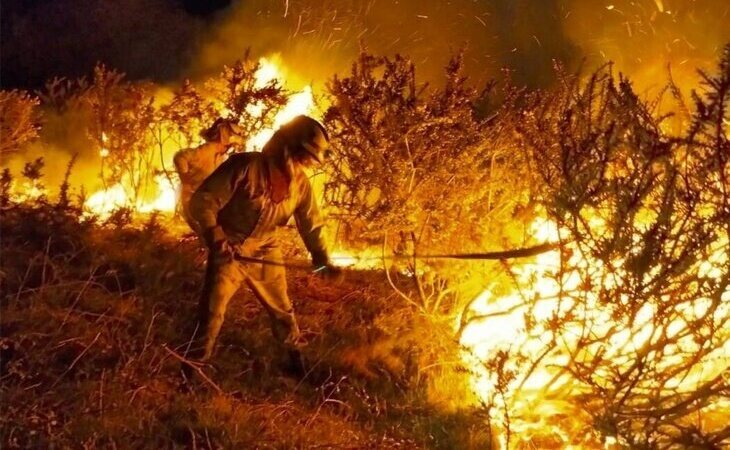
(294, 367)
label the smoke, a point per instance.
(43, 39)
(524, 36)
(318, 40)
(160, 41)
(62, 135)
(644, 37)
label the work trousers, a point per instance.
(268, 282)
(185, 194)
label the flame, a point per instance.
(28, 191)
(501, 324)
(102, 203)
(301, 102)
(367, 259)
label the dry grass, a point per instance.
(89, 309)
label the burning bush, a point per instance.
(403, 154)
(184, 117)
(250, 92)
(136, 129)
(630, 318)
(121, 114)
(420, 165)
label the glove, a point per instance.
(214, 236)
(218, 245)
(330, 273)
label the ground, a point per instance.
(93, 316)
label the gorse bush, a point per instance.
(242, 95)
(640, 315)
(121, 114)
(19, 121)
(405, 153)
(421, 167)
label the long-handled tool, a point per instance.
(501, 255)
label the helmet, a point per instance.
(307, 134)
(213, 133)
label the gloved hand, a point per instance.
(218, 245)
(330, 273)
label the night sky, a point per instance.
(167, 40)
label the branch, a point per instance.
(195, 366)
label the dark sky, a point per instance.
(146, 38)
(166, 40)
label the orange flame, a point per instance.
(102, 203)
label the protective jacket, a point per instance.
(193, 166)
(234, 198)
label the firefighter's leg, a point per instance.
(268, 283)
(222, 281)
(185, 212)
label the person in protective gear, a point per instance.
(193, 165)
(239, 206)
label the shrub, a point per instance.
(19, 121)
(638, 315)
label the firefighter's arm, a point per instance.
(309, 224)
(212, 196)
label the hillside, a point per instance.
(92, 312)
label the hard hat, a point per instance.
(309, 134)
(212, 133)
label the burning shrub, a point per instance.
(243, 91)
(184, 117)
(19, 119)
(137, 137)
(631, 317)
(121, 114)
(421, 165)
(402, 154)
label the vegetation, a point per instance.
(618, 338)
(19, 121)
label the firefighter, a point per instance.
(239, 207)
(195, 164)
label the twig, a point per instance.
(390, 281)
(326, 400)
(194, 365)
(77, 299)
(147, 336)
(192, 435)
(311, 369)
(101, 394)
(76, 360)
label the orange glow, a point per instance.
(301, 102)
(103, 202)
(503, 327)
